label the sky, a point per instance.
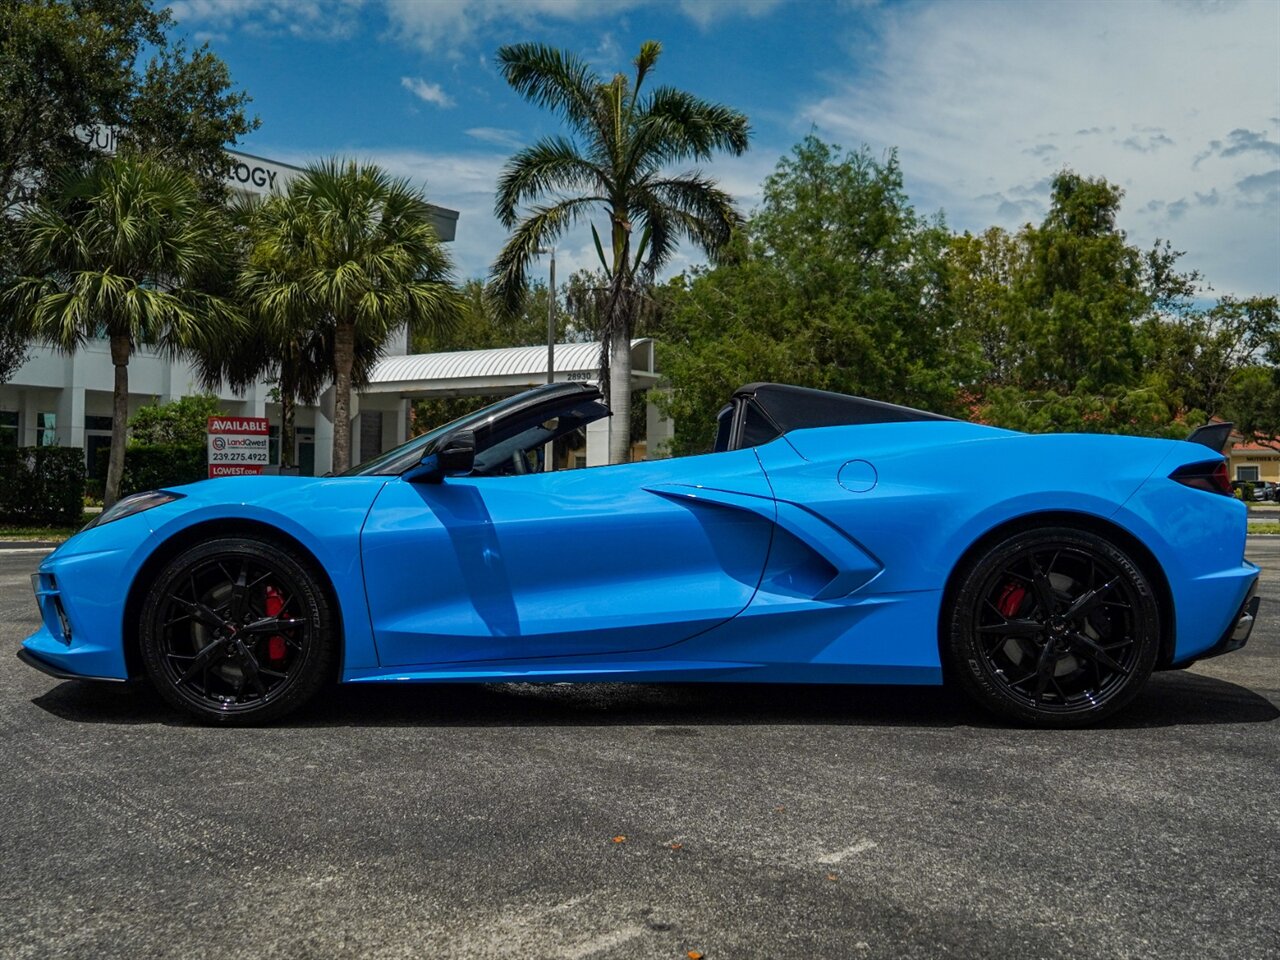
(1178, 102)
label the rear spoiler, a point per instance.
(1215, 436)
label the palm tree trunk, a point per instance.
(344, 347)
(287, 407)
(288, 404)
(620, 390)
(119, 419)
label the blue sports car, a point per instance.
(827, 539)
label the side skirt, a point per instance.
(653, 671)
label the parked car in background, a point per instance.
(1255, 490)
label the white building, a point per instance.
(65, 399)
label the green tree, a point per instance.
(1195, 355)
(351, 253)
(1055, 306)
(129, 251)
(283, 343)
(1253, 403)
(1252, 396)
(484, 325)
(76, 72)
(835, 283)
(1075, 328)
(622, 141)
(70, 66)
(13, 349)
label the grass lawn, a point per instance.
(10, 531)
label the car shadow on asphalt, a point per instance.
(1171, 699)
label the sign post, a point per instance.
(238, 446)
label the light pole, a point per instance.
(549, 451)
(551, 318)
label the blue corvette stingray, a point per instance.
(827, 539)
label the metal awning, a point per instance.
(503, 371)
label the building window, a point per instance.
(306, 440)
(46, 430)
(273, 445)
(8, 428)
(97, 423)
(1247, 474)
(370, 434)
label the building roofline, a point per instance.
(255, 156)
(445, 213)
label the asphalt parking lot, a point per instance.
(633, 821)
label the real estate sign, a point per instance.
(238, 446)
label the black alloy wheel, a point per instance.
(1055, 627)
(237, 631)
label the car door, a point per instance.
(576, 562)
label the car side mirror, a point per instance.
(455, 457)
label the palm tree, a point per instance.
(349, 255)
(283, 342)
(615, 162)
(127, 250)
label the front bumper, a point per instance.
(31, 660)
(81, 597)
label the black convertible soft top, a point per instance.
(759, 412)
(794, 408)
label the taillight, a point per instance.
(1212, 476)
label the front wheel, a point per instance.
(1055, 627)
(237, 630)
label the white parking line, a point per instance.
(860, 847)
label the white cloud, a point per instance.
(498, 136)
(427, 92)
(433, 24)
(1177, 103)
(330, 19)
(706, 12)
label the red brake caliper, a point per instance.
(275, 645)
(1011, 598)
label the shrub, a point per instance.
(41, 485)
(153, 466)
(181, 422)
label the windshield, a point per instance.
(399, 459)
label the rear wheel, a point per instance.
(1055, 627)
(237, 631)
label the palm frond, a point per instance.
(551, 164)
(550, 78)
(645, 60)
(545, 224)
(675, 126)
(689, 205)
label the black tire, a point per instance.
(237, 631)
(1053, 627)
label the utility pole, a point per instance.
(548, 452)
(551, 323)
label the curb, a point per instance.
(29, 544)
